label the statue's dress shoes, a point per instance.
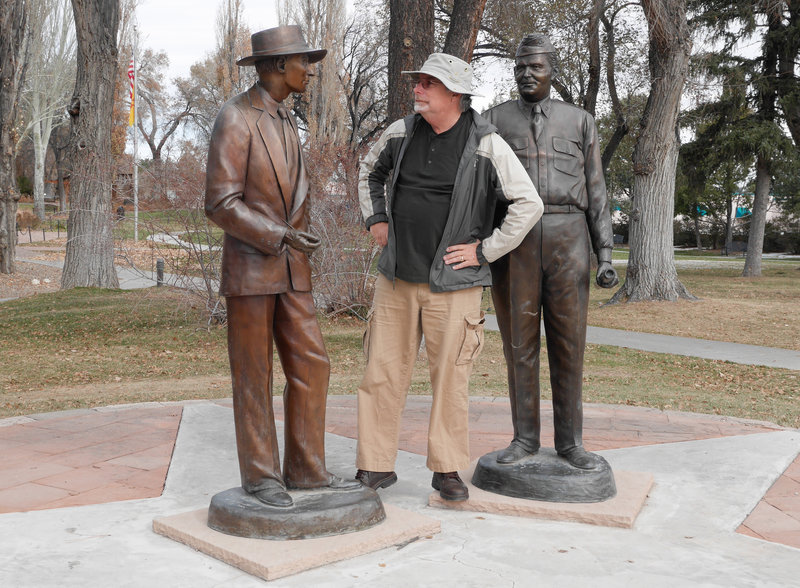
(580, 458)
(274, 495)
(450, 486)
(338, 483)
(376, 480)
(514, 452)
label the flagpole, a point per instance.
(135, 142)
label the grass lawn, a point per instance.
(166, 221)
(755, 311)
(91, 347)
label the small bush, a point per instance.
(24, 185)
(27, 220)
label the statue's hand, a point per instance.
(302, 241)
(607, 275)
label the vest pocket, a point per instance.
(473, 338)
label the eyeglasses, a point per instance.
(426, 83)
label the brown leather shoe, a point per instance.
(376, 480)
(450, 486)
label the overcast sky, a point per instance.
(184, 29)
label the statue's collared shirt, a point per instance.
(564, 163)
(283, 122)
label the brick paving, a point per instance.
(85, 457)
(121, 453)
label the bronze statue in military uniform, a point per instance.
(547, 276)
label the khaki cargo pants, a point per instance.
(452, 323)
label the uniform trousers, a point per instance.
(290, 319)
(452, 324)
(545, 278)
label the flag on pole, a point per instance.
(131, 79)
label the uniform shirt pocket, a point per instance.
(567, 156)
(519, 145)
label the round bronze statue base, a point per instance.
(545, 476)
(315, 513)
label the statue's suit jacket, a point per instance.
(256, 187)
(253, 193)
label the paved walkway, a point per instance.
(86, 457)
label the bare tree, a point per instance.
(233, 41)
(651, 273)
(217, 78)
(51, 72)
(13, 41)
(162, 115)
(320, 108)
(90, 246)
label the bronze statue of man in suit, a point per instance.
(256, 191)
(547, 276)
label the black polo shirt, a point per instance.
(422, 195)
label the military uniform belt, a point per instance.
(562, 209)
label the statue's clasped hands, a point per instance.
(302, 241)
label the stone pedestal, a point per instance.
(276, 559)
(315, 513)
(545, 476)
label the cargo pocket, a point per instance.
(473, 338)
(366, 337)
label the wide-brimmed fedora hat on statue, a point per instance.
(454, 73)
(278, 42)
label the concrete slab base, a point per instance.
(619, 511)
(269, 559)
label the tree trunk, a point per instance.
(13, 43)
(758, 220)
(593, 30)
(90, 245)
(651, 273)
(41, 132)
(464, 25)
(622, 125)
(729, 216)
(788, 39)
(410, 43)
(697, 237)
(767, 113)
(59, 143)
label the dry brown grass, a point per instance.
(754, 311)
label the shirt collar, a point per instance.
(270, 105)
(527, 107)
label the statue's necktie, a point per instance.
(538, 122)
(291, 149)
(284, 114)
